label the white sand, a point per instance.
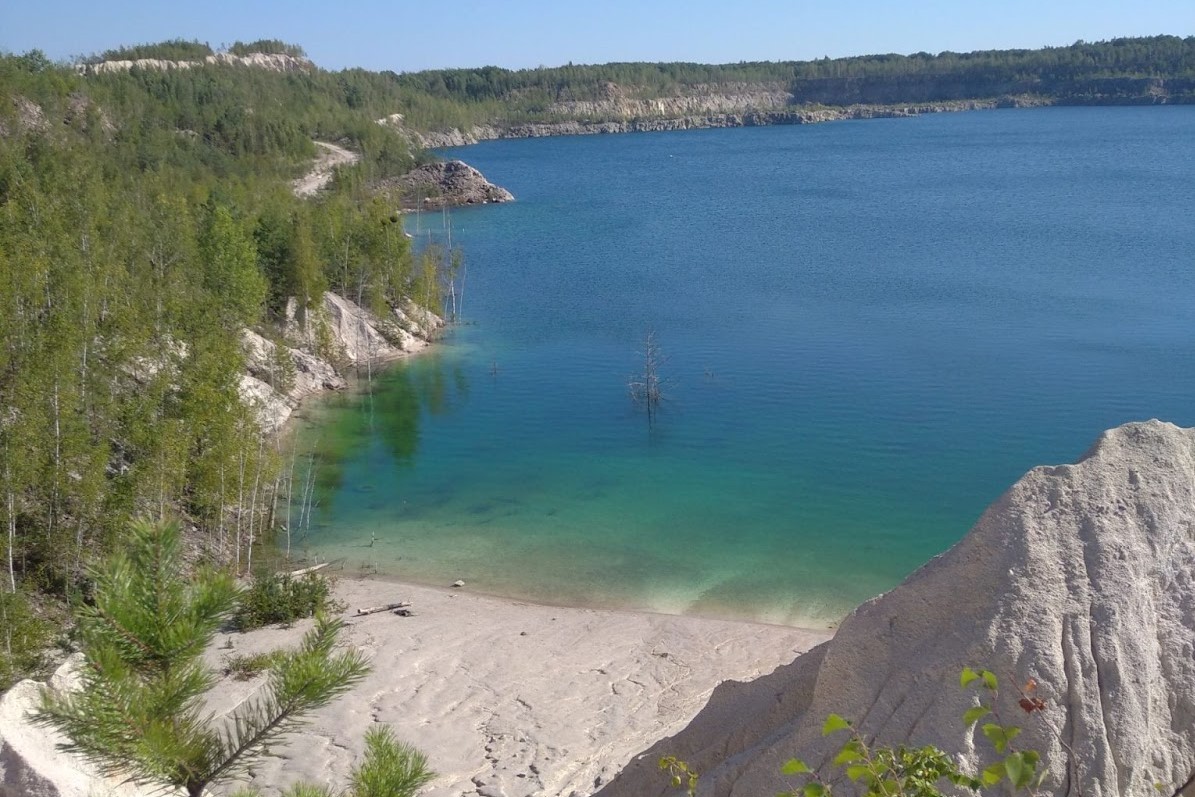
(510, 698)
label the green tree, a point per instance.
(229, 262)
(140, 710)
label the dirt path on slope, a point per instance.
(329, 158)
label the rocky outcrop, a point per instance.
(78, 112)
(31, 765)
(272, 62)
(1081, 576)
(322, 345)
(452, 183)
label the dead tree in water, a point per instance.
(647, 388)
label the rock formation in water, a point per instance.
(320, 346)
(1080, 576)
(436, 185)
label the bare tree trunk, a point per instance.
(647, 387)
(261, 442)
(57, 460)
(308, 490)
(220, 518)
(12, 526)
(240, 508)
(290, 492)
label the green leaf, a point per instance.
(794, 766)
(989, 680)
(1014, 765)
(999, 735)
(974, 715)
(814, 789)
(834, 723)
(847, 755)
(993, 774)
(857, 771)
(968, 677)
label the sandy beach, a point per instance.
(507, 697)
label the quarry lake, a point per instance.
(871, 329)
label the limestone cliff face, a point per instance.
(748, 115)
(274, 62)
(696, 100)
(321, 345)
(1081, 576)
(620, 109)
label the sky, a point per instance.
(407, 36)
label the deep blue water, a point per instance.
(871, 328)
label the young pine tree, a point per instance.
(140, 713)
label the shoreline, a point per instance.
(341, 568)
(509, 697)
(353, 381)
(746, 117)
(807, 624)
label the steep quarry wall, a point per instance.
(321, 345)
(747, 116)
(1081, 576)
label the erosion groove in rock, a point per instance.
(1080, 576)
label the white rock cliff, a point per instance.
(338, 336)
(1080, 576)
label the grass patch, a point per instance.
(242, 668)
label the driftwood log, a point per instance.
(389, 607)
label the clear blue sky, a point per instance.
(403, 35)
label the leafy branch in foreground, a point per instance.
(903, 771)
(140, 712)
(900, 771)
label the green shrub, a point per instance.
(283, 598)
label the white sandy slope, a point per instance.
(510, 698)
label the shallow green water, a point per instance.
(872, 329)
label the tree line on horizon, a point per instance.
(1079, 73)
(1107, 72)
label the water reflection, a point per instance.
(379, 418)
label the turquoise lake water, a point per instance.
(871, 328)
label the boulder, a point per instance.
(1081, 577)
(31, 765)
